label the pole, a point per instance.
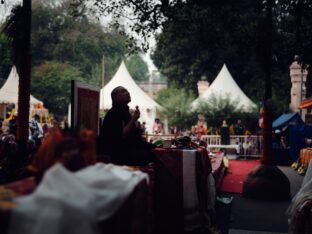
(267, 156)
(103, 72)
(24, 81)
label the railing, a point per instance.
(250, 145)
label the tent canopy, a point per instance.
(9, 91)
(138, 96)
(225, 86)
(287, 119)
(148, 107)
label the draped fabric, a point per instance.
(66, 202)
(176, 210)
(135, 213)
(300, 209)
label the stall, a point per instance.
(283, 144)
(9, 93)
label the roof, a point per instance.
(287, 119)
(9, 91)
(223, 86)
(138, 96)
(306, 103)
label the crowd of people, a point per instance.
(14, 158)
(122, 139)
(201, 128)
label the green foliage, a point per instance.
(202, 37)
(146, 16)
(205, 34)
(65, 48)
(176, 103)
(219, 108)
(199, 36)
(5, 58)
(78, 41)
(51, 83)
(137, 67)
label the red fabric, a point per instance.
(168, 192)
(216, 162)
(22, 187)
(237, 172)
(169, 188)
(218, 169)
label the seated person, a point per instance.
(120, 138)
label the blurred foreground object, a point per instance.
(74, 151)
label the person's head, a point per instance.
(239, 121)
(36, 117)
(157, 120)
(120, 95)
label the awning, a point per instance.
(287, 119)
(306, 103)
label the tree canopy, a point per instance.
(176, 103)
(137, 67)
(51, 82)
(199, 36)
(79, 43)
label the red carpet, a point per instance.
(237, 172)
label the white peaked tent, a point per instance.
(9, 91)
(148, 107)
(225, 86)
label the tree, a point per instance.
(17, 29)
(293, 24)
(199, 36)
(176, 103)
(219, 108)
(188, 43)
(5, 58)
(51, 83)
(137, 67)
(78, 41)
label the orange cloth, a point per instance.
(305, 156)
(74, 151)
(200, 130)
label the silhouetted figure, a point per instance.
(225, 133)
(121, 138)
(239, 128)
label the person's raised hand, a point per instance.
(136, 113)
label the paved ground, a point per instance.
(248, 216)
